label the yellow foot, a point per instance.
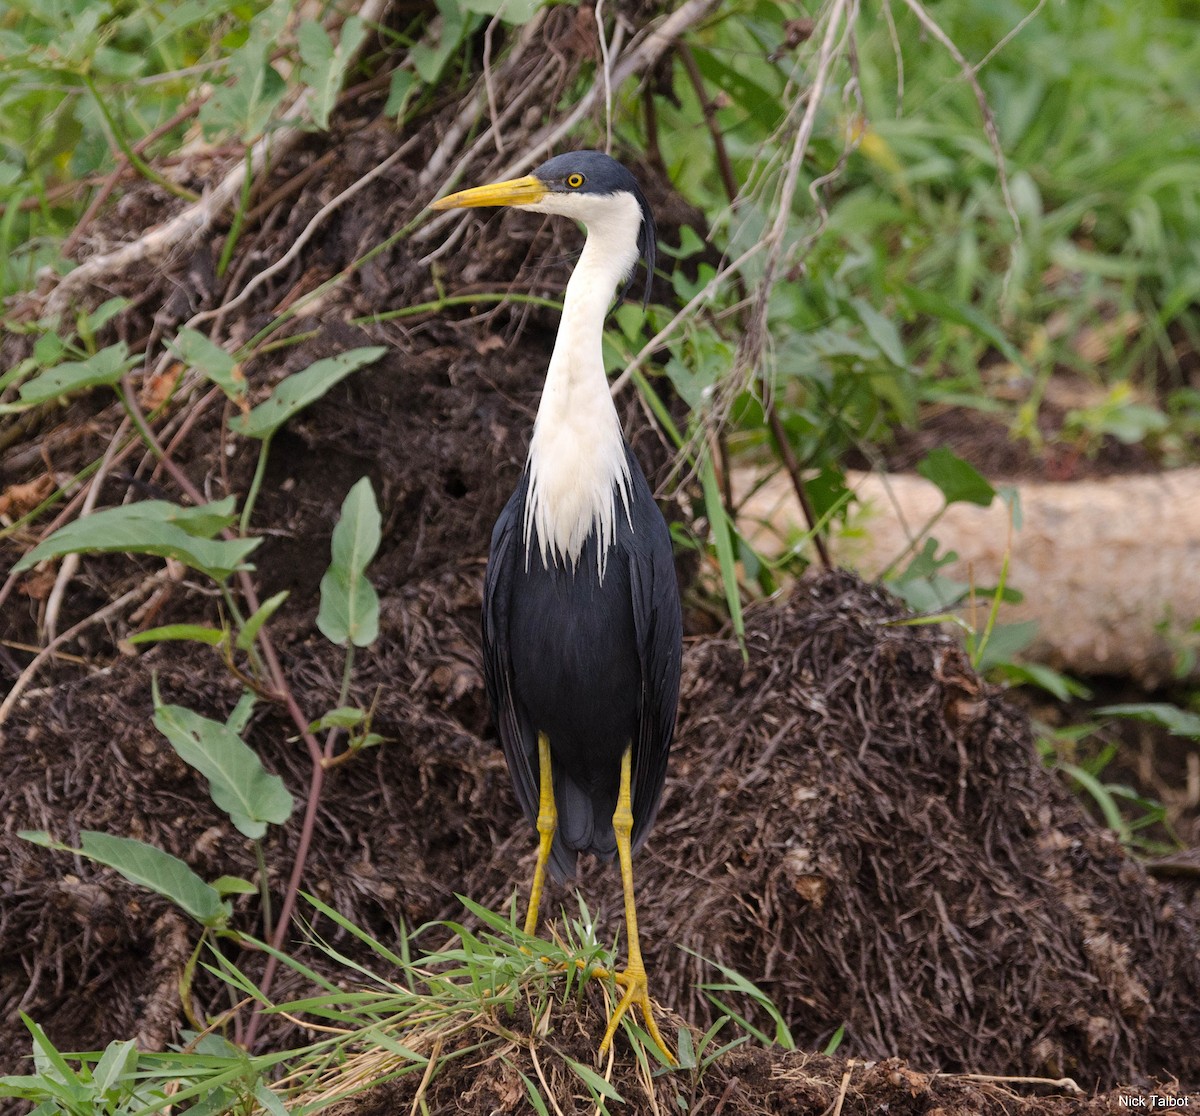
(633, 980)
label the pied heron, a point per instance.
(581, 619)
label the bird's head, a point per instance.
(586, 185)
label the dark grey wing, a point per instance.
(518, 738)
(659, 626)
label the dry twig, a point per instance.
(985, 109)
(838, 20)
(305, 236)
(110, 609)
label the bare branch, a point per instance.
(838, 20)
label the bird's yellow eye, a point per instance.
(575, 181)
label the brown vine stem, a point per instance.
(283, 692)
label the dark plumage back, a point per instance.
(594, 663)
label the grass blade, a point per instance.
(718, 521)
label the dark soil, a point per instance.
(916, 873)
(986, 440)
(853, 820)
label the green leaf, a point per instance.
(323, 66)
(234, 885)
(204, 520)
(1060, 686)
(535, 1098)
(502, 924)
(269, 1099)
(349, 609)
(237, 780)
(594, 1081)
(146, 866)
(211, 361)
(300, 389)
(104, 368)
(1004, 642)
(354, 930)
(1171, 717)
(882, 331)
(718, 523)
(245, 106)
(1102, 794)
(920, 584)
(686, 1053)
(198, 633)
(695, 379)
(104, 313)
(240, 717)
(958, 481)
(44, 1050)
(456, 22)
(118, 1060)
(150, 527)
(403, 83)
(739, 983)
(261, 615)
(30, 1087)
(49, 349)
(756, 100)
(344, 716)
(938, 306)
(515, 12)
(690, 244)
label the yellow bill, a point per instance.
(515, 191)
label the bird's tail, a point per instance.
(563, 861)
(584, 825)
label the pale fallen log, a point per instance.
(1109, 569)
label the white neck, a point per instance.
(577, 454)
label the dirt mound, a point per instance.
(888, 853)
(857, 824)
(851, 821)
(440, 424)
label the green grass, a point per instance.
(1082, 754)
(484, 993)
(1098, 110)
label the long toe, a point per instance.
(637, 991)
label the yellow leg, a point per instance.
(547, 822)
(633, 979)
